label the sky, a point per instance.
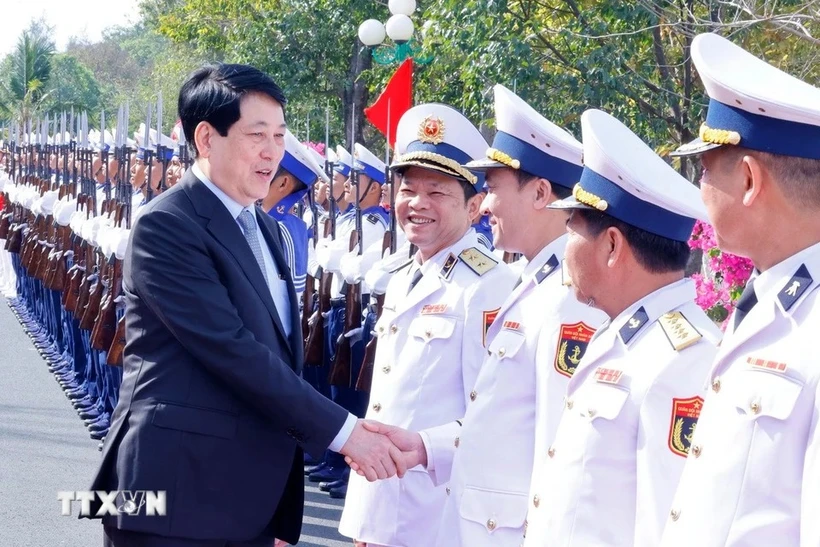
(87, 18)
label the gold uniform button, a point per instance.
(536, 501)
(551, 452)
(473, 395)
(716, 384)
(491, 525)
(428, 333)
(377, 407)
(457, 441)
(447, 490)
(675, 514)
(569, 404)
(696, 450)
(755, 407)
(394, 329)
(381, 329)
(591, 412)
(501, 352)
(386, 369)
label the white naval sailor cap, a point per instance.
(298, 161)
(364, 161)
(528, 141)
(624, 178)
(343, 162)
(753, 104)
(437, 136)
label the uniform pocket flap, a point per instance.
(759, 393)
(494, 509)
(506, 344)
(606, 401)
(203, 421)
(432, 327)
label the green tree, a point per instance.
(72, 85)
(27, 72)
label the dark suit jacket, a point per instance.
(212, 408)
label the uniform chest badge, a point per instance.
(608, 375)
(511, 325)
(685, 414)
(572, 344)
(434, 309)
(487, 322)
(763, 364)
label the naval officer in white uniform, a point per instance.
(432, 330)
(753, 473)
(537, 338)
(631, 407)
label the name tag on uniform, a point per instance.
(434, 309)
(608, 375)
(771, 366)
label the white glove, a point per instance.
(351, 267)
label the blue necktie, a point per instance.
(249, 228)
(747, 301)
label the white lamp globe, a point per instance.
(402, 7)
(371, 32)
(400, 28)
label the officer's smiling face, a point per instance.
(586, 260)
(431, 209)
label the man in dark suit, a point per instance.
(212, 407)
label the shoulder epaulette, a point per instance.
(477, 261)
(680, 332)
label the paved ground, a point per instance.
(44, 448)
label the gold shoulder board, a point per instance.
(477, 260)
(679, 330)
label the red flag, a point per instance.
(395, 100)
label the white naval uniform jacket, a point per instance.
(609, 476)
(753, 473)
(518, 394)
(429, 352)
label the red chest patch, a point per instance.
(489, 318)
(685, 414)
(572, 344)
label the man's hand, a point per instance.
(280, 543)
(375, 455)
(409, 442)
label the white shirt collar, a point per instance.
(555, 248)
(233, 207)
(774, 279)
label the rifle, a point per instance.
(315, 340)
(340, 373)
(102, 336)
(365, 379)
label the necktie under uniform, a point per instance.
(745, 303)
(249, 229)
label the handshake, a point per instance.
(378, 451)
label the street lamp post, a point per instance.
(399, 28)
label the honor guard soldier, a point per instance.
(297, 172)
(432, 330)
(754, 467)
(535, 341)
(366, 179)
(609, 475)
